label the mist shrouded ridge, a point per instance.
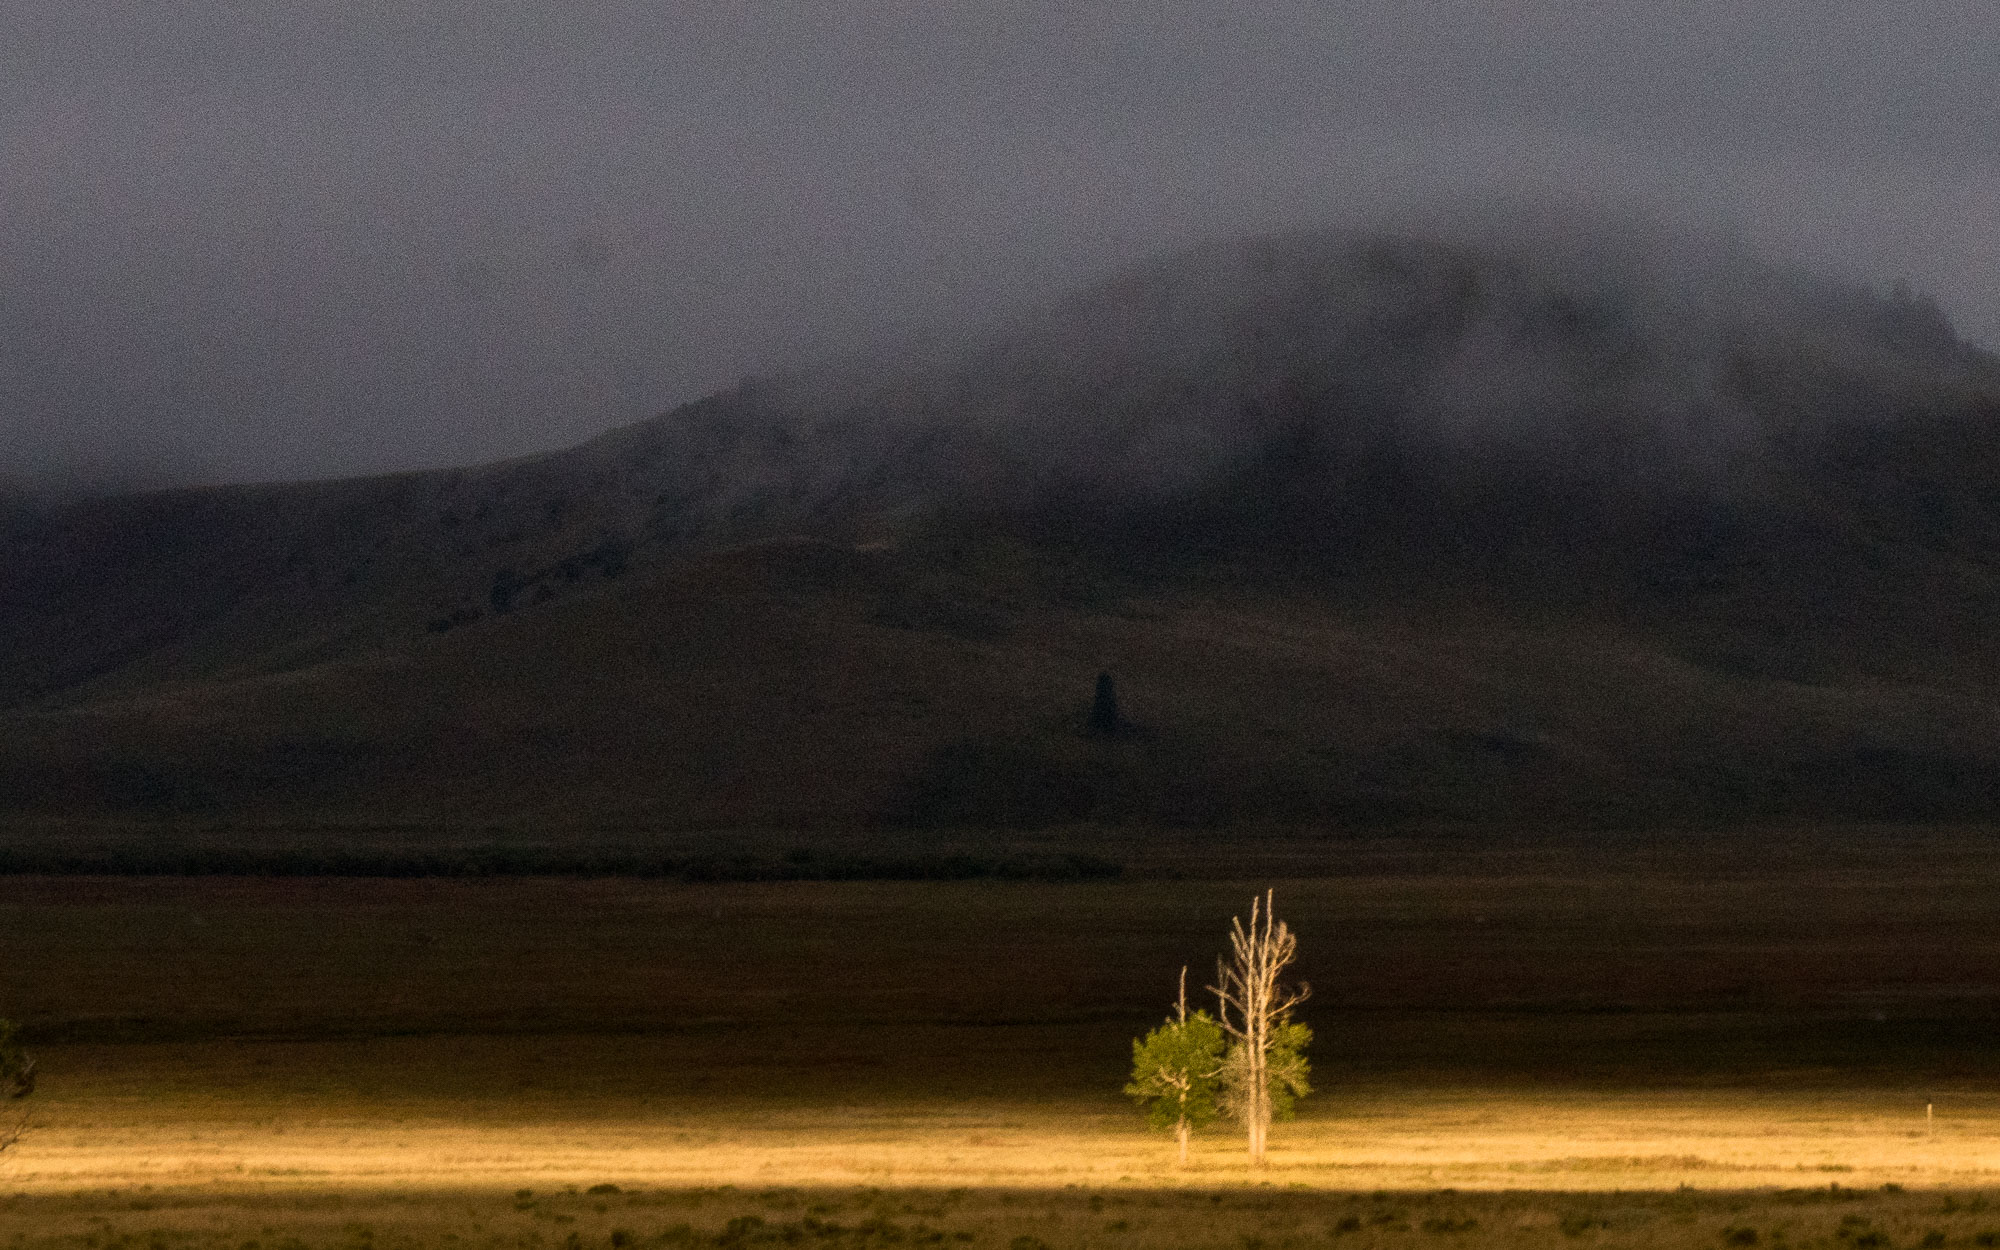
(1327, 367)
(1614, 364)
(1775, 486)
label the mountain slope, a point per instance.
(798, 685)
(1369, 528)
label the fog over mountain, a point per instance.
(1467, 521)
(310, 241)
(1608, 358)
(1297, 376)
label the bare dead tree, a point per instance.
(21, 1082)
(17, 1081)
(1184, 1081)
(1255, 1011)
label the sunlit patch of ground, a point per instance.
(1463, 1138)
(343, 1144)
(944, 1106)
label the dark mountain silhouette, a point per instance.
(1368, 528)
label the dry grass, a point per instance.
(906, 1107)
(1515, 1049)
(761, 688)
(217, 1143)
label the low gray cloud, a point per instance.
(276, 241)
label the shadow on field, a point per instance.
(1266, 1216)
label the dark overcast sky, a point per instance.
(280, 239)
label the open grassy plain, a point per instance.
(1596, 1043)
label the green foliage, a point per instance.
(1288, 1068)
(1285, 1070)
(1175, 1069)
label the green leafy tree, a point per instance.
(1175, 1070)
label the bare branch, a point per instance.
(1252, 1007)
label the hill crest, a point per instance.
(1762, 508)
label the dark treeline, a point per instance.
(796, 865)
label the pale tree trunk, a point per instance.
(1252, 1004)
(1182, 1129)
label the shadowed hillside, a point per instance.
(1369, 530)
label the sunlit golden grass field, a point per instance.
(1599, 1048)
(502, 1141)
(566, 1110)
